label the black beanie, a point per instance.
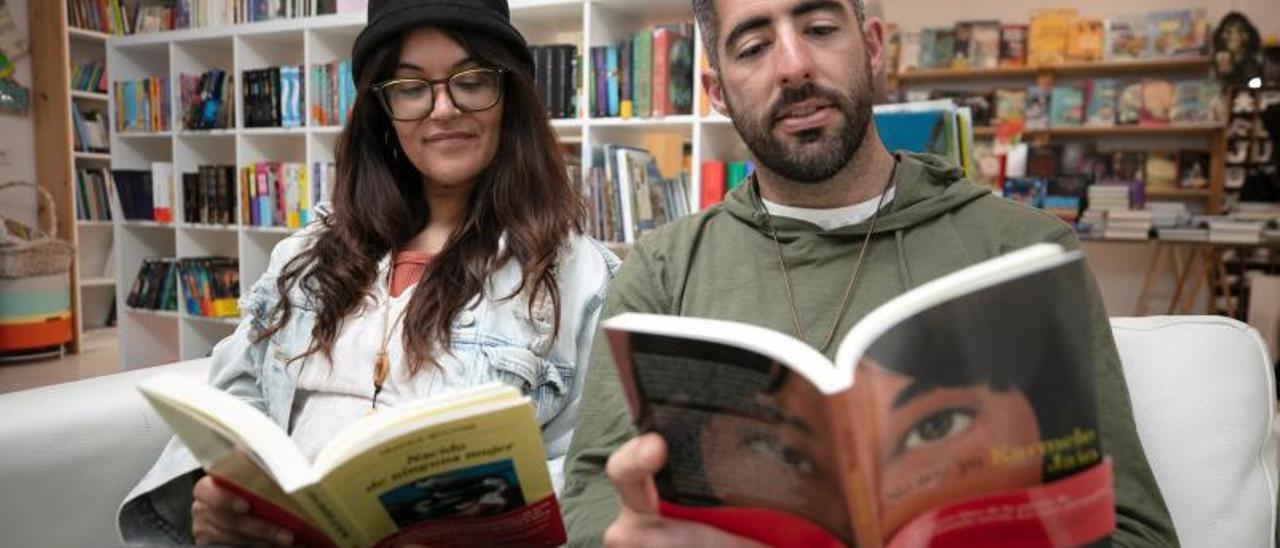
(388, 19)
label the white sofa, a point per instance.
(1203, 396)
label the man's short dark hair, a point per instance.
(704, 11)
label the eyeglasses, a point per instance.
(412, 99)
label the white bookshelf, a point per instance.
(149, 338)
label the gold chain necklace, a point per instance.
(853, 280)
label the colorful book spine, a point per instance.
(642, 72)
(661, 80)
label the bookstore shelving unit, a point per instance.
(1210, 136)
(151, 337)
(56, 46)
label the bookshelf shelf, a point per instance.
(87, 35)
(326, 130)
(89, 96)
(167, 314)
(952, 75)
(206, 133)
(133, 223)
(97, 282)
(1145, 66)
(667, 122)
(92, 156)
(1145, 131)
(143, 134)
(94, 224)
(230, 321)
(1185, 130)
(1178, 193)
(270, 229)
(274, 131)
(208, 227)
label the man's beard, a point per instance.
(818, 157)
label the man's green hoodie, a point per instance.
(721, 264)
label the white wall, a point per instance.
(916, 14)
(17, 136)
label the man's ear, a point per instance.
(873, 37)
(715, 91)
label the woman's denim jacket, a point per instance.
(492, 332)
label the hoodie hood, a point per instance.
(928, 186)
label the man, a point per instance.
(785, 251)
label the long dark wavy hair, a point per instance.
(379, 205)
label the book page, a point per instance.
(986, 395)
(744, 433)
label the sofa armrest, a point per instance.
(72, 451)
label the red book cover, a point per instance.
(713, 172)
(661, 72)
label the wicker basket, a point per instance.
(27, 251)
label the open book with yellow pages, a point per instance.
(464, 469)
(960, 413)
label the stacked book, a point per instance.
(1093, 222)
(90, 127)
(156, 286)
(333, 91)
(627, 195)
(648, 74)
(1128, 225)
(1235, 231)
(145, 195)
(211, 286)
(273, 97)
(142, 105)
(209, 195)
(555, 72)
(91, 77)
(1168, 214)
(276, 194)
(207, 100)
(93, 194)
(1109, 196)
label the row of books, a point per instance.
(145, 195)
(1099, 102)
(273, 97)
(1156, 169)
(277, 194)
(89, 127)
(555, 69)
(1054, 36)
(209, 195)
(650, 74)
(210, 286)
(109, 16)
(627, 195)
(156, 285)
(93, 194)
(720, 177)
(208, 100)
(186, 14)
(142, 106)
(333, 91)
(91, 76)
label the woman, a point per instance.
(452, 257)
